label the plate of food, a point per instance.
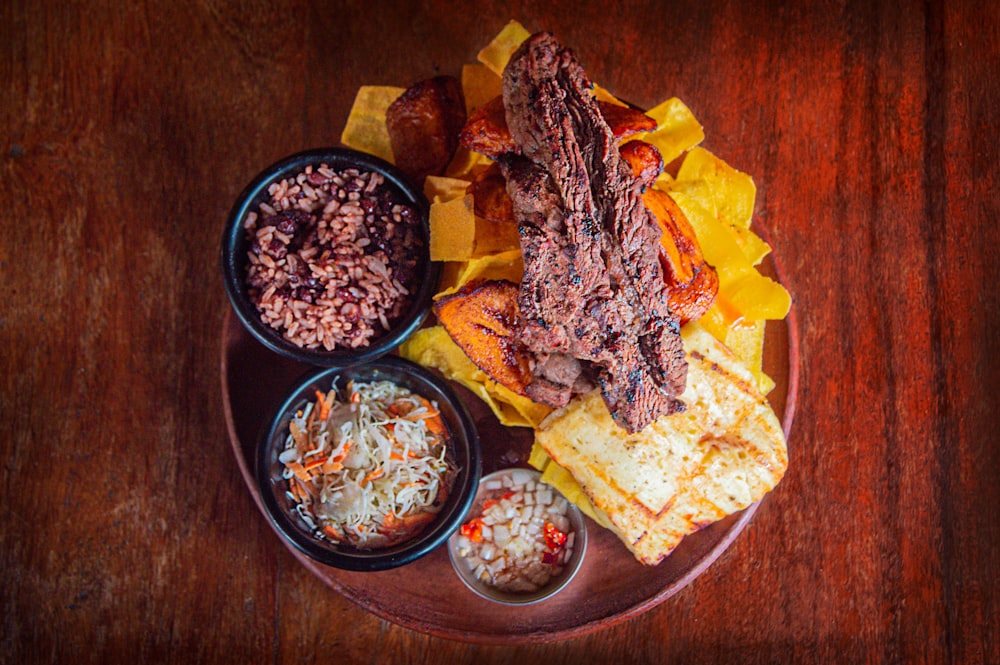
(605, 313)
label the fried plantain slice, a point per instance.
(644, 159)
(694, 284)
(486, 130)
(625, 120)
(480, 318)
(423, 125)
(490, 197)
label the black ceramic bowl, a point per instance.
(235, 247)
(463, 448)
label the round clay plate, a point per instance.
(427, 595)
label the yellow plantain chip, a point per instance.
(480, 84)
(746, 340)
(433, 347)
(731, 192)
(538, 458)
(438, 189)
(365, 129)
(497, 53)
(507, 265)
(453, 229)
(466, 164)
(743, 292)
(677, 130)
(604, 95)
(493, 237)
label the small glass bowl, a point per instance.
(555, 585)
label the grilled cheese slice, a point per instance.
(684, 471)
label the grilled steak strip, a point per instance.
(593, 286)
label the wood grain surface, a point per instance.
(127, 129)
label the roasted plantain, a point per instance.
(481, 319)
(489, 194)
(423, 125)
(693, 282)
(644, 159)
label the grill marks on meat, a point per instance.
(592, 299)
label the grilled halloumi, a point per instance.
(684, 471)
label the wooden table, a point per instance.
(127, 129)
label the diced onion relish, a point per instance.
(521, 539)
(368, 466)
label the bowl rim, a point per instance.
(232, 258)
(550, 590)
(459, 500)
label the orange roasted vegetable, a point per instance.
(644, 159)
(625, 120)
(480, 318)
(486, 130)
(423, 125)
(490, 198)
(693, 282)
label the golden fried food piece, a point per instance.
(486, 130)
(489, 193)
(625, 120)
(423, 125)
(644, 159)
(693, 282)
(480, 318)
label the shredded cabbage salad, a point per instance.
(367, 467)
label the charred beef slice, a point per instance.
(593, 286)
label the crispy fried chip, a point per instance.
(453, 229)
(365, 128)
(489, 190)
(479, 85)
(442, 188)
(493, 237)
(423, 125)
(718, 185)
(507, 265)
(677, 130)
(496, 54)
(481, 317)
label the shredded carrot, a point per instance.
(396, 456)
(436, 425)
(332, 532)
(377, 473)
(324, 405)
(316, 461)
(342, 455)
(333, 466)
(299, 471)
